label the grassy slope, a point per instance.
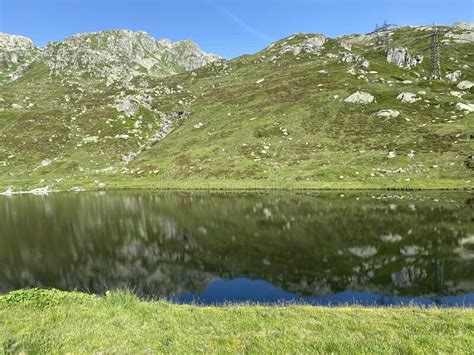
(46, 321)
(330, 144)
(331, 141)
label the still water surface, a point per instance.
(370, 248)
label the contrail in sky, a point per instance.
(245, 26)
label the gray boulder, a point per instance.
(408, 97)
(465, 107)
(465, 85)
(360, 97)
(388, 113)
(454, 76)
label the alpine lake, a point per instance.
(370, 248)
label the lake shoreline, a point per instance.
(18, 187)
(51, 320)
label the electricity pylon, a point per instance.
(435, 71)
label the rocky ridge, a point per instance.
(117, 54)
(110, 55)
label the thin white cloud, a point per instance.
(245, 26)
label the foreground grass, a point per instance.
(47, 321)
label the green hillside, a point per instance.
(275, 118)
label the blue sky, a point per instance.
(225, 27)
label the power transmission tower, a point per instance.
(386, 39)
(377, 36)
(377, 41)
(435, 71)
(382, 37)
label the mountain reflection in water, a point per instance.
(320, 248)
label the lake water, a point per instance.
(371, 248)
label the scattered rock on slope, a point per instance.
(408, 97)
(46, 162)
(388, 113)
(465, 107)
(364, 252)
(360, 97)
(465, 85)
(454, 76)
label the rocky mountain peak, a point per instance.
(120, 53)
(15, 43)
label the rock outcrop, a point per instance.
(402, 58)
(16, 53)
(128, 106)
(311, 45)
(14, 43)
(463, 32)
(461, 25)
(345, 45)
